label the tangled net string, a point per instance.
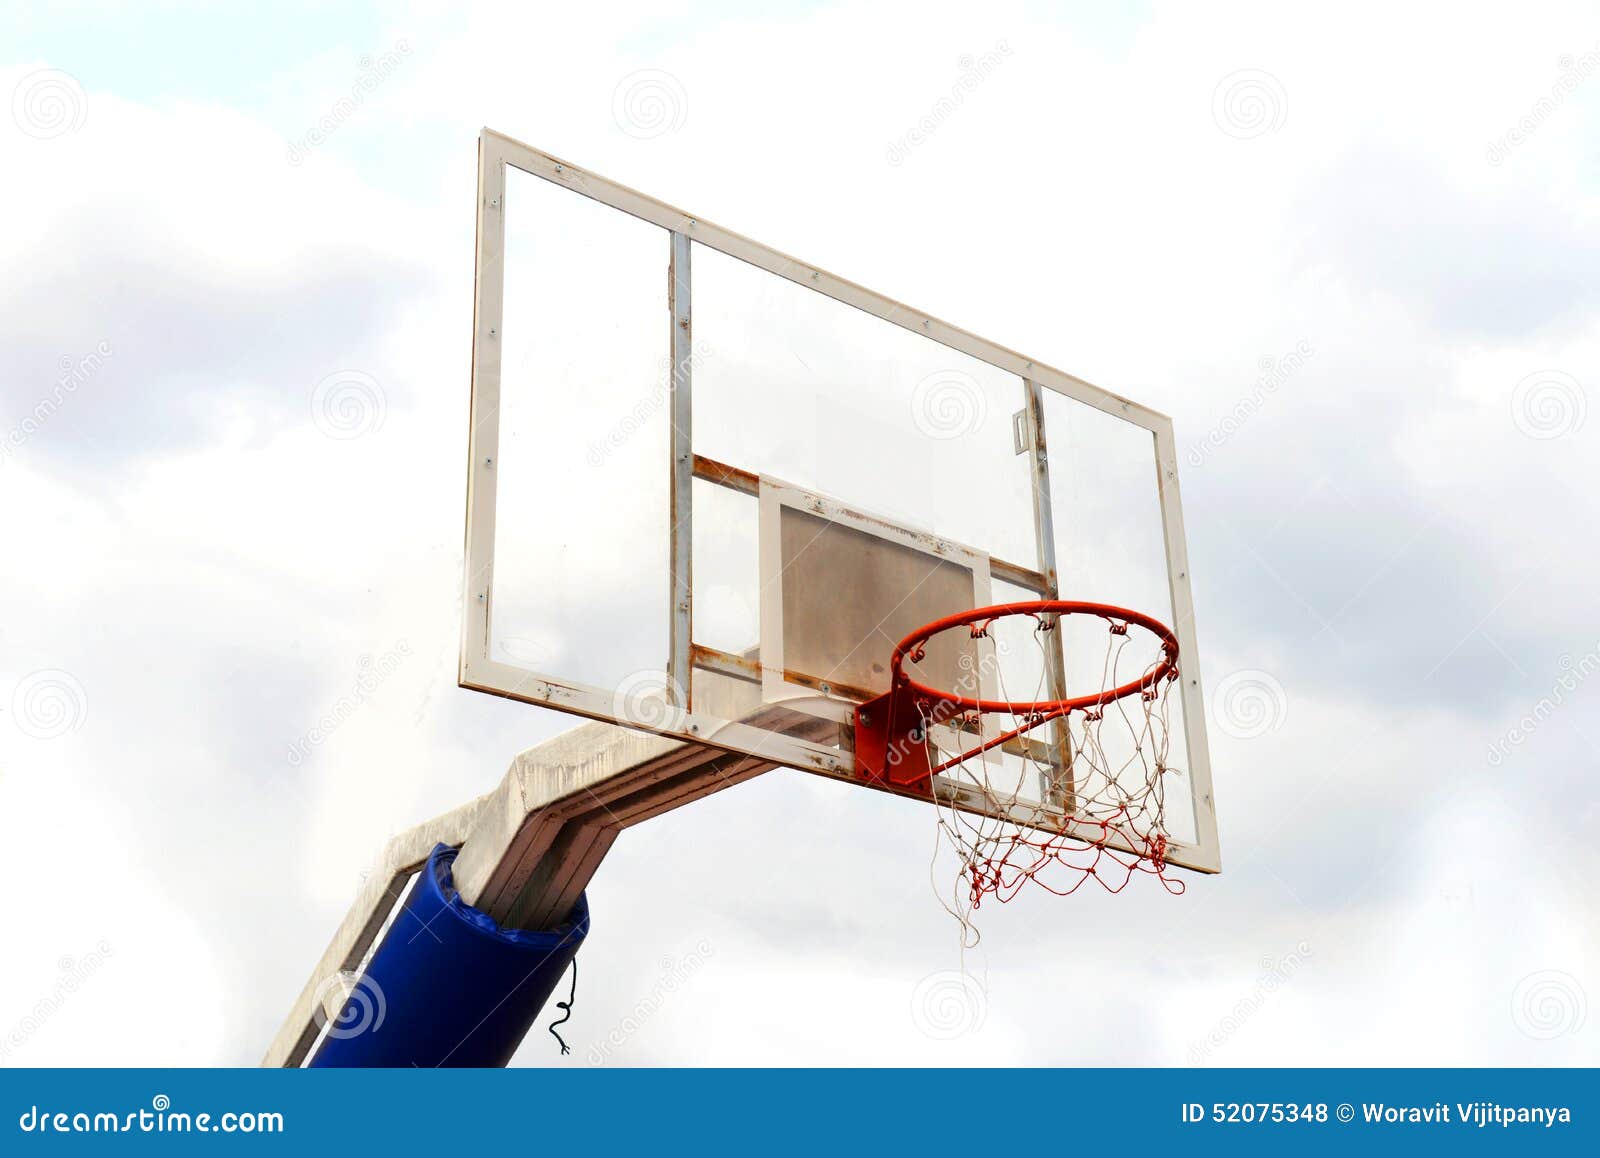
(1097, 811)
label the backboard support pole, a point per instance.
(528, 848)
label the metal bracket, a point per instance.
(1021, 435)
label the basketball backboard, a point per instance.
(711, 487)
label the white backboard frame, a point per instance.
(776, 495)
(480, 671)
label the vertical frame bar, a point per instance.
(1060, 793)
(679, 671)
(1207, 856)
(483, 437)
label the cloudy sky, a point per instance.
(1391, 544)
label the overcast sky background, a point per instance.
(1393, 552)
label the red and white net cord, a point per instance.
(1098, 813)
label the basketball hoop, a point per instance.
(1099, 757)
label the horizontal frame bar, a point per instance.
(749, 483)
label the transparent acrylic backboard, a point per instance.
(711, 487)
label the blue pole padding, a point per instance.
(448, 986)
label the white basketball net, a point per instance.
(1083, 794)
